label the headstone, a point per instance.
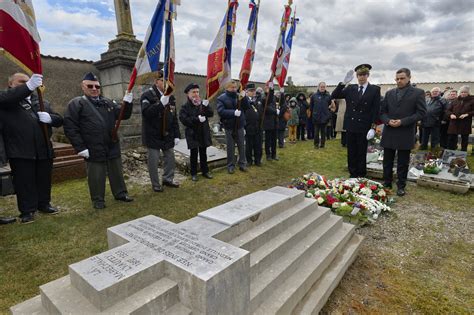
(258, 254)
(215, 156)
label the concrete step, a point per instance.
(60, 297)
(285, 297)
(317, 297)
(256, 237)
(281, 262)
(29, 307)
(289, 237)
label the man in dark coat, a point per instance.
(160, 131)
(303, 117)
(270, 122)
(319, 104)
(431, 122)
(282, 106)
(28, 149)
(362, 110)
(194, 115)
(88, 124)
(253, 130)
(401, 108)
(232, 114)
(460, 113)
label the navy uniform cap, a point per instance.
(363, 68)
(250, 86)
(190, 87)
(90, 77)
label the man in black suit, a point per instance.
(362, 109)
(401, 108)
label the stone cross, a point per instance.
(124, 18)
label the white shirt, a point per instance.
(364, 87)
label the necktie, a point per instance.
(361, 91)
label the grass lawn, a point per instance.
(34, 254)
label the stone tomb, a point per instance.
(268, 252)
(215, 157)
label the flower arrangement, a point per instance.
(433, 166)
(359, 201)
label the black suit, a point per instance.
(361, 113)
(409, 106)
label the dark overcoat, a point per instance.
(458, 107)
(198, 134)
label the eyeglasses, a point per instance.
(91, 86)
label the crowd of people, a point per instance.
(254, 119)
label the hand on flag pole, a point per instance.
(35, 81)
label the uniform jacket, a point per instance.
(458, 107)
(198, 134)
(360, 113)
(319, 105)
(85, 129)
(159, 123)
(409, 109)
(22, 131)
(226, 106)
(434, 112)
(253, 116)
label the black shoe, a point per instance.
(158, 189)
(194, 178)
(275, 158)
(125, 198)
(99, 205)
(243, 169)
(387, 185)
(171, 184)
(401, 192)
(49, 210)
(27, 218)
(207, 175)
(230, 170)
(321, 147)
(269, 158)
(7, 220)
(258, 164)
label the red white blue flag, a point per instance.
(168, 72)
(277, 63)
(220, 53)
(19, 37)
(249, 55)
(287, 53)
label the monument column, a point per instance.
(116, 65)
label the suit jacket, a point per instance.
(360, 113)
(409, 109)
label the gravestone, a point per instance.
(215, 157)
(270, 252)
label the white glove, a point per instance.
(237, 113)
(35, 81)
(205, 102)
(349, 76)
(278, 112)
(201, 118)
(282, 90)
(44, 117)
(165, 100)
(128, 98)
(242, 93)
(270, 85)
(84, 153)
(176, 141)
(370, 134)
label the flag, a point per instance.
(287, 53)
(169, 47)
(250, 51)
(280, 48)
(219, 58)
(148, 59)
(19, 37)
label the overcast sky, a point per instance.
(434, 38)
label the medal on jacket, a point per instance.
(254, 108)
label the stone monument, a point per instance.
(270, 252)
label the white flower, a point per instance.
(382, 193)
(375, 216)
(320, 200)
(309, 195)
(355, 211)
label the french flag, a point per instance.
(169, 66)
(250, 51)
(220, 53)
(287, 53)
(277, 63)
(19, 37)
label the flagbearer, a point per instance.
(160, 131)
(233, 119)
(253, 129)
(88, 124)
(194, 115)
(29, 150)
